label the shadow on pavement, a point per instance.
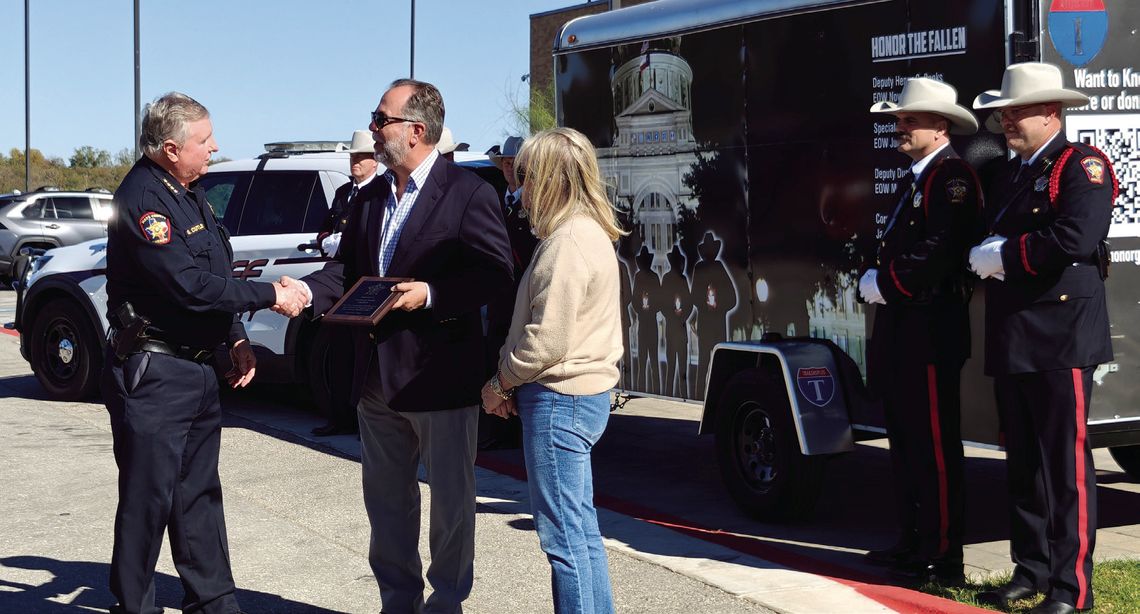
(659, 470)
(84, 585)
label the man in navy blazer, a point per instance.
(418, 372)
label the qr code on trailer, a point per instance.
(1118, 136)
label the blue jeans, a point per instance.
(558, 432)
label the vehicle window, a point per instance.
(277, 202)
(34, 210)
(318, 210)
(104, 209)
(72, 207)
(224, 192)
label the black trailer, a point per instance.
(739, 150)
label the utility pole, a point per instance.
(138, 120)
(27, 99)
(412, 51)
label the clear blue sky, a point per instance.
(268, 70)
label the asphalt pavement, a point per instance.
(298, 533)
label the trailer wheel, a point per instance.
(1128, 457)
(758, 450)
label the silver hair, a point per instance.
(425, 105)
(166, 118)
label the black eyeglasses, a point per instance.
(1014, 114)
(382, 120)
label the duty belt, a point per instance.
(149, 344)
(178, 351)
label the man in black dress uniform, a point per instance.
(171, 300)
(1044, 263)
(921, 336)
(362, 168)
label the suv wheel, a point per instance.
(66, 354)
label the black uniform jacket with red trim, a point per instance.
(921, 264)
(454, 240)
(337, 218)
(171, 259)
(1050, 312)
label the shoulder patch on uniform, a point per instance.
(957, 189)
(155, 227)
(1094, 168)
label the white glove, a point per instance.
(985, 258)
(331, 243)
(869, 288)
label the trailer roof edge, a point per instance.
(675, 17)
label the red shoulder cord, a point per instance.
(1055, 176)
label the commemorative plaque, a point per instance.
(365, 302)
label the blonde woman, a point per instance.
(560, 358)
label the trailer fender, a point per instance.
(812, 381)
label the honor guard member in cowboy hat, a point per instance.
(171, 301)
(493, 431)
(362, 166)
(921, 335)
(1044, 263)
(447, 145)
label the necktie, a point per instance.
(352, 193)
(908, 180)
(1020, 171)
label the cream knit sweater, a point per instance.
(566, 328)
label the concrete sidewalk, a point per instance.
(298, 532)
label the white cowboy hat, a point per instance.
(922, 95)
(446, 143)
(361, 142)
(510, 149)
(1028, 83)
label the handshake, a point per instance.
(292, 297)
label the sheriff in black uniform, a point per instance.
(493, 431)
(169, 259)
(921, 335)
(1046, 330)
(362, 168)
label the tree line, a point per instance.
(88, 167)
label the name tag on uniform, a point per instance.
(195, 228)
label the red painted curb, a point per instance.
(13, 333)
(895, 597)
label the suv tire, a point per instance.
(66, 354)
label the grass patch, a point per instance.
(1116, 586)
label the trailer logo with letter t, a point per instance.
(816, 384)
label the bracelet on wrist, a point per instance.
(497, 388)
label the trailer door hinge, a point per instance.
(1022, 48)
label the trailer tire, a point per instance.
(1128, 457)
(758, 450)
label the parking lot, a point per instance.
(298, 533)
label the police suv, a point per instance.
(272, 205)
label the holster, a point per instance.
(1103, 258)
(129, 331)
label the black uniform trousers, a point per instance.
(341, 362)
(1052, 481)
(922, 404)
(166, 422)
